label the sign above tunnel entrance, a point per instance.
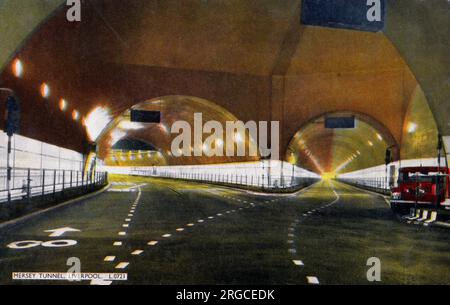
(145, 116)
(340, 122)
(362, 15)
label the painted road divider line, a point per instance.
(152, 243)
(190, 225)
(122, 233)
(117, 243)
(312, 280)
(122, 265)
(298, 262)
(167, 235)
(137, 252)
(180, 229)
(109, 258)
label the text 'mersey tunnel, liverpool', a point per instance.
(241, 142)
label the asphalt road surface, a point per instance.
(170, 232)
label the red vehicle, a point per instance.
(421, 187)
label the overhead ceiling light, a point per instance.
(17, 68)
(379, 137)
(412, 127)
(128, 125)
(45, 90)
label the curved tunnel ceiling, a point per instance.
(110, 61)
(173, 108)
(326, 150)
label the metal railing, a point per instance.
(259, 181)
(28, 183)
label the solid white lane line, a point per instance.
(122, 265)
(109, 258)
(312, 280)
(101, 282)
(137, 252)
(152, 243)
(117, 243)
(298, 262)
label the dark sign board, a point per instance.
(12, 115)
(363, 15)
(145, 116)
(340, 122)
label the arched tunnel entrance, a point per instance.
(328, 149)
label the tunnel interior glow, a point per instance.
(172, 108)
(331, 151)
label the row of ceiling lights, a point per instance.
(45, 91)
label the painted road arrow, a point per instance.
(61, 231)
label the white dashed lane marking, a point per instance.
(137, 252)
(312, 280)
(167, 235)
(180, 230)
(122, 265)
(117, 243)
(152, 243)
(109, 258)
(298, 262)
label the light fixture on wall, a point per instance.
(62, 104)
(17, 68)
(45, 90)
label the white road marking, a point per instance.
(312, 280)
(122, 265)
(200, 220)
(219, 214)
(137, 252)
(128, 219)
(101, 282)
(210, 217)
(290, 241)
(190, 225)
(117, 243)
(130, 215)
(109, 258)
(61, 231)
(180, 229)
(152, 243)
(122, 233)
(167, 235)
(125, 225)
(298, 262)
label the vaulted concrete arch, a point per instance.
(258, 62)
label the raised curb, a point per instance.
(13, 222)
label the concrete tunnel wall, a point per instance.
(417, 29)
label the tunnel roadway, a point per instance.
(162, 231)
